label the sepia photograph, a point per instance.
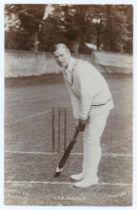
(68, 108)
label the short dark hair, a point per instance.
(57, 46)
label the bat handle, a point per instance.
(76, 132)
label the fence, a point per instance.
(109, 62)
(24, 63)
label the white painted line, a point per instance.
(73, 153)
(34, 115)
(116, 155)
(37, 182)
(34, 99)
(29, 117)
(35, 153)
(116, 184)
(40, 153)
(63, 183)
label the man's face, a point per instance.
(62, 57)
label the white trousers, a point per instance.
(91, 145)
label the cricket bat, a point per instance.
(64, 158)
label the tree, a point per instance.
(118, 28)
(26, 31)
(109, 27)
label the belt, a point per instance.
(102, 103)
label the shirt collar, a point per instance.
(72, 62)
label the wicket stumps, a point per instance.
(59, 128)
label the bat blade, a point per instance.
(66, 154)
